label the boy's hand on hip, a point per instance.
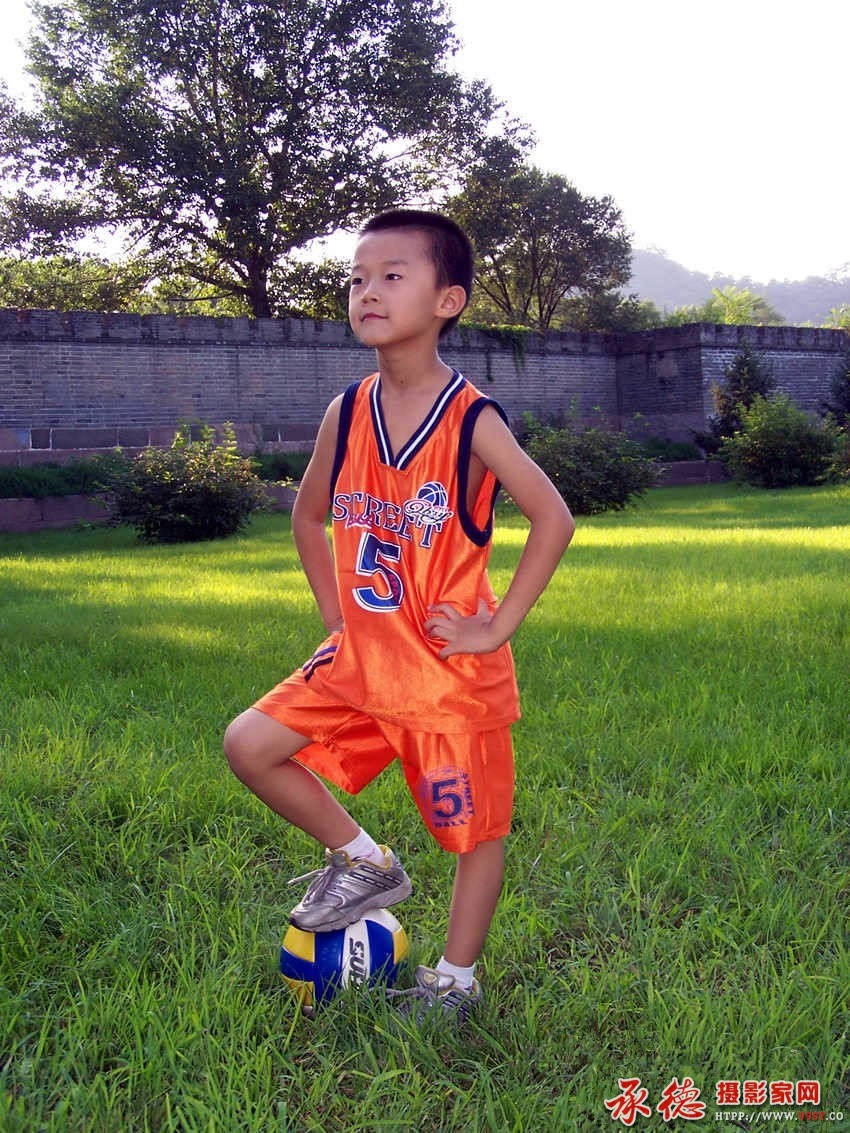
(472, 634)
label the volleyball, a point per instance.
(317, 964)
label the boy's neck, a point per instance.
(409, 371)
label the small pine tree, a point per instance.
(747, 377)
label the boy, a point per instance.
(417, 664)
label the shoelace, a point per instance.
(453, 998)
(416, 992)
(306, 876)
(318, 872)
(432, 991)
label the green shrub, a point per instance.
(78, 477)
(281, 465)
(839, 404)
(656, 448)
(842, 458)
(194, 490)
(595, 470)
(778, 446)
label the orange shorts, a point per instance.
(462, 784)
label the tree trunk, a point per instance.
(258, 292)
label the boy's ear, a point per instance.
(452, 301)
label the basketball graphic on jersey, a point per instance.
(429, 510)
(434, 493)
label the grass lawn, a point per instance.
(677, 886)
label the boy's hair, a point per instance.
(450, 247)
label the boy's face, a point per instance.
(394, 295)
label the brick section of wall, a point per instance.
(659, 377)
(78, 381)
(75, 382)
(667, 375)
(803, 360)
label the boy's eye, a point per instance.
(392, 275)
(355, 279)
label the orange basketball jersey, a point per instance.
(404, 539)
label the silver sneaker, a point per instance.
(345, 890)
(437, 995)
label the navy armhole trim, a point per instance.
(346, 412)
(478, 535)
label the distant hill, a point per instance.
(669, 285)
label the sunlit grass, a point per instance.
(677, 877)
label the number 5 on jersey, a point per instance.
(374, 557)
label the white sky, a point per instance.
(719, 128)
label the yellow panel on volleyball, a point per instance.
(300, 943)
(400, 945)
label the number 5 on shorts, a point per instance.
(445, 802)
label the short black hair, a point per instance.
(450, 247)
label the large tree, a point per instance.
(538, 240)
(220, 135)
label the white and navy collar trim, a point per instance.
(412, 447)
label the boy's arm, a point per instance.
(552, 527)
(309, 515)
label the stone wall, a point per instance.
(666, 375)
(803, 359)
(78, 382)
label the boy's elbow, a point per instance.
(564, 521)
(555, 525)
(562, 524)
(568, 527)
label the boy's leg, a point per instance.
(463, 787)
(359, 875)
(478, 884)
(451, 988)
(259, 750)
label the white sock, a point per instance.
(462, 976)
(363, 847)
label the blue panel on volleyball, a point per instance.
(316, 964)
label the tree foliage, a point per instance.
(297, 288)
(839, 317)
(312, 290)
(226, 135)
(538, 240)
(730, 305)
(608, 311)
(838, 405)
(746, 377)
(72, 282)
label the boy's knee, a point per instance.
(253, 743)
(239, 747)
